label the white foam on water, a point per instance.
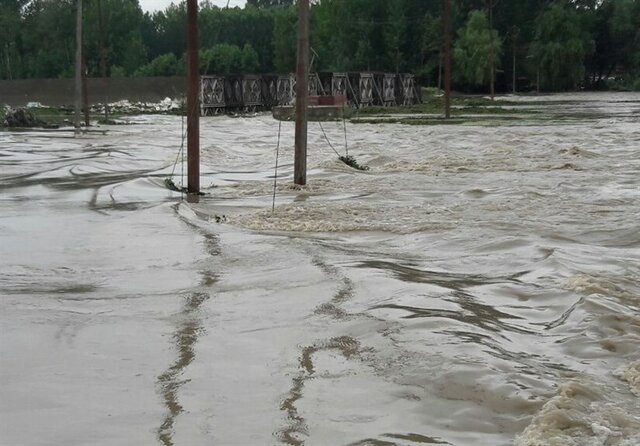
(589, 285)
(407, 166)
(582, 415)
(262, 188)
(631, 374)
(345, 216)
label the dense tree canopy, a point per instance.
(559, 47)
(476, 46)
(564, 44)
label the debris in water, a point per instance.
(351, 162)
(22, 118)
(169, 183)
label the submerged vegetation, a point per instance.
(559, 45)
(351, 162)
(433, 103)
(63, 115)
(464, 110)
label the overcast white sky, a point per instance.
(154, 5)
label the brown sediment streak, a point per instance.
(297, 423)
(169, 383)
(343, 294)
(416, 438)
(186, 336)
(297, 429)
(373, 442)
(413, 438)
(332, 308)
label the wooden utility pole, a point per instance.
(8, 56)
(85, 93)
(440, 56)
(302, 95)
(446, 27)
(515, 31)
(78, 84)
(193, 105)
(491, 4)
(103, 62)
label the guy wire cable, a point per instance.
(275, 176)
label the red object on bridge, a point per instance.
(339, 100)
(333, 100)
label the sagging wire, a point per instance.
(347, 159)
(275, 176)
(344, 126)
(168, 182)
(327, 139)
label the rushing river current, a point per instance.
(479, 285)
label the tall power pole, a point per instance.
(79, 64)
(193, 103)
(491, 4)
(515, 31)
(103, 61)
(302, 95)
(85, 93)
(446, 28)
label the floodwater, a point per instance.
(479, 285)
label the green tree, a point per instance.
(558, 49)
(624, 25)
(394, 32)
(123, 23)
(284, 40)
(430, 50)
(10, 21)
(476, 44)
(249, 62)
(222, 59)
(359, 41)
(48, 39)
(566, 39)
(269, 3)
(169, 33)
(165, 65)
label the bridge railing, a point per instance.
(248, 93)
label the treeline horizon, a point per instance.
(554, 45)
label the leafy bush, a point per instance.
(165, 65)
(118, 72)
(229, 59)
(624, 84)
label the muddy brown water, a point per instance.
(479, 285)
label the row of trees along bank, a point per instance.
(558, 44)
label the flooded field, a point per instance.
(479, 285)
